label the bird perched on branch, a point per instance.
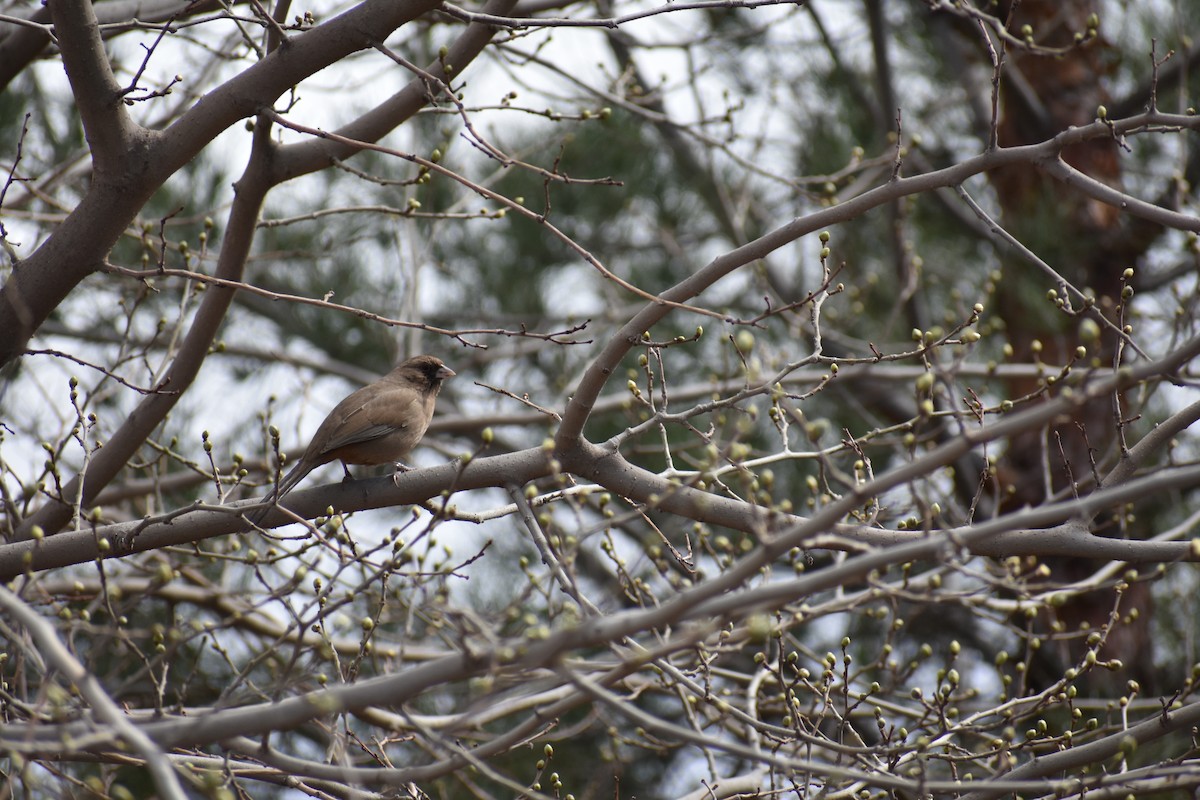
(378, 424)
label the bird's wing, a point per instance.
(379, 416)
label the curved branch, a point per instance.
(590, 385)
(1117, 199)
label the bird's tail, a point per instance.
(289, 481)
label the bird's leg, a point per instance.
(348, 477)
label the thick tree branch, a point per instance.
(82, 546)
(78, 247)
(106, 123)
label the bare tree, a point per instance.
(826, 378)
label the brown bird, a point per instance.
(378, 424)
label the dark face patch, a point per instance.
(428, 371)
(431, 371)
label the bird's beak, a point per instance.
(445, 372)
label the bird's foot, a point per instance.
(401, 468)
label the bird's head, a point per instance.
(428, 371)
